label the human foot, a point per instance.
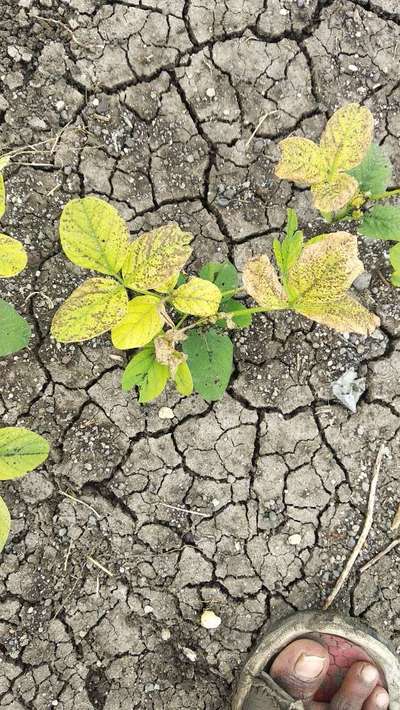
(330, 672)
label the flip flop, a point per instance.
(347, 641)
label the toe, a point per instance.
(300, 668)
(356, 688)
(378, 700)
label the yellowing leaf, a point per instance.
(183, 380)
(21, 451)
(13, 256)
(326, 268)
(335, 193)
(92, 309)
(141, 323)
(197, 297)
(5, 523)
(169, 284)
(94, 235)
(262, 284)
(155, 257)
(301, 161)
(347, 137)
(2, 197)
(345, 315)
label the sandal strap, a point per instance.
(265, 694)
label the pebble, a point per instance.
(189, 653)
(210, 620)
(166, 413)
(294, 539)
(210, 92)
(165, 634)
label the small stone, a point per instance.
(353, 67)
(294, 539)
(210, 92)
(166, 413)
(60, 105)
(189, 653)
(348, 389)
(210, 620)
(283, 11)
(148, 609)
(165, 634)
(362, 281)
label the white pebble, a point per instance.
(210, 92)
(210, 620)
(166, 413)
(294, 539)
(165, 634)
(189, 653)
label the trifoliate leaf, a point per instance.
(94, 235)
(326, 268)
(347, 137)
(5, 523)
(332, 195)
(21, 451)
(210, 360)
(301, 161)
(141, 323)
(92, 309)
(197, 297)
(381, 222)
(230, 305)
(2, 196)
(344, 314)
(153, 383)
(183, 379)
(137, 368)
(224, 275)
(261, 283)
(14, 330)
(156, 256)
(13, 256)
(374, 173)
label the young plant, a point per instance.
(21, 451)
(348, 175)
(14, 330)
(197, 354)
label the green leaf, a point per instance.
(5, 523)
(276, 245)
(153, 383)
(210, 360)
(21, 451)
(224, 275)
(2, 197)
(155, 257)
(394, 256)
(141, 323)
(395, 278)
(13, 257)
(242, 321)
(137, 368)
(14, 330)
(183, 380)
(381, 222)
(292, 222)
(374, 173)
(92, 309)
(94, 235)
(197, 297)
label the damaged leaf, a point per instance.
(5, 523)
(13, 257)
(261, 283)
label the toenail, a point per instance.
(382, 699)
(309, 667)
(369, 674)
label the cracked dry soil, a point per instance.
(157, 100)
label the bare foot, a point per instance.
(303, 668)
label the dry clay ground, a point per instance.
(156, 101)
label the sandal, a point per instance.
(256, 690)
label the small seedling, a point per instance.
(348, 175)
(197, 354)
(14, 330)
(21, 451)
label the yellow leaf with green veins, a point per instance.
(21, 451)
(92, 309)
(5, 523)
(335, 193)
(261, 283)
(141, 323)
(347, 137)
(197, 297)
(94, 235)
(13, 256)
(156, 257)
(326, 267)
(301, 161)
(2, 197)
(344, 314)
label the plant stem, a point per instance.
(385, 195)
(232, 292)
